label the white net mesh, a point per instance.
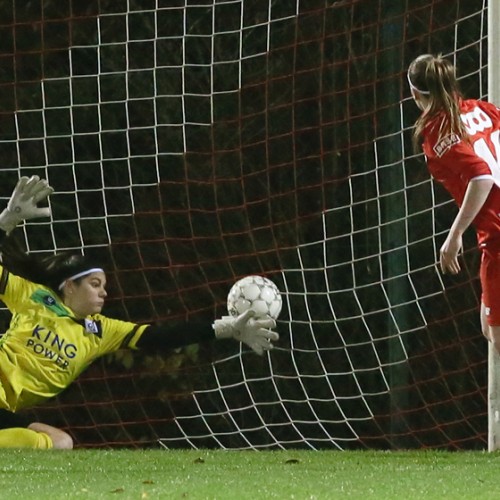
(196, 142)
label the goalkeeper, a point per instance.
(57, 329)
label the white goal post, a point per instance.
(493, 96)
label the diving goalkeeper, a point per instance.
(57, 329)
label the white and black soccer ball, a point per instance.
(257, 293)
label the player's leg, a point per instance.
(493, 336)
(20, 437)
(17, 432)
(491, 332)
(490, 300)
(485, 327)
(60, 439)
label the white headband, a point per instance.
(425, 92)
(80, 275)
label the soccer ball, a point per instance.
(257, 293)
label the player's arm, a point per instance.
(163, 336)
(256, 333)
(23, 205)
(477, 192)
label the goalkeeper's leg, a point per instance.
(17, 432)
(60, 439)
(38, 437)
(17, 437)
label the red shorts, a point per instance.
(489, 274)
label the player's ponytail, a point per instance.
(434, 77)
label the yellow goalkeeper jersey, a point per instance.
(46, 347)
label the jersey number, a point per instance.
(491, 158)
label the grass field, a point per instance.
(202, 474)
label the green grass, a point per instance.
(202, 474)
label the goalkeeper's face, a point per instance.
(86, 295)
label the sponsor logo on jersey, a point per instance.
(445, 144)
(50, 345)
(91, 326)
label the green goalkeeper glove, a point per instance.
(23, 202)
(254, 332)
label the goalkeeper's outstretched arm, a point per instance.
(255, 332)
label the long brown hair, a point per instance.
(434, 77)
(50, 270)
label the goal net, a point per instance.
(193, 142)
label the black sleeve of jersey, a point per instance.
(171, 336)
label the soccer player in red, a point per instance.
(460, 140)
(57, 329)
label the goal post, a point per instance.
(193, 142)
(493, 357)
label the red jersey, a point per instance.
(454, 162)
